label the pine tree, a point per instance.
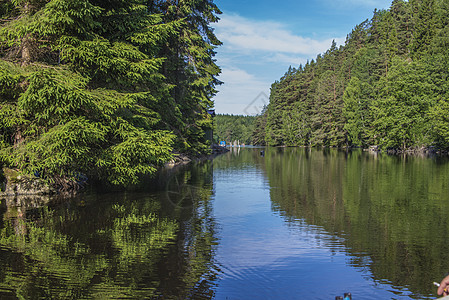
(424, 20)
(401, 14)
(258, 136)
(387, 85)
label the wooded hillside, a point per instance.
(104, 88)
(232, 128)
(387, 86)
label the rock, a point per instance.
(179, 159)
(216, 149)
(20, 184)
(182, 159)
(374, 148)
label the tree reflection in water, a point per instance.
(123, 245)
(386, 214)
(390, 212)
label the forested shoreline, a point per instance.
(386, 86)
(108, 89)
(234, 128)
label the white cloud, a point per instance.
(243, 34)
(255, 54)
(379, 4)
(240, 93)
(288, 59)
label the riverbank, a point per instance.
(16, 187)
(15, 183)
(377, 149)
(183, 159)
(411, 151)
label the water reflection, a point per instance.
(112, 246)
(289, 224)
(388, 212)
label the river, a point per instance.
(285, 223)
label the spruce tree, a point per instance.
(191, 68)
(84, 90)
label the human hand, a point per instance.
(443, 289)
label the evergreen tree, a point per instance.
(231, 128)
(260, 124)
(401, 15)
(353, 111)
(85, 84)
(424, 20)
(387, 85)
(400, 113)
(191, 69)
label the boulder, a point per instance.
(21, 184)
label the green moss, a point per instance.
(11, 175)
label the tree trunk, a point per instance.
(27, 50)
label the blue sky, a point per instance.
(262, 38)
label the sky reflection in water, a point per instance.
(264, 255)
(293, 224)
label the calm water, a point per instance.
(292, 224)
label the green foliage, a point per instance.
(385, 208)
(258, 134)
(9, 82)
(62, 148)
(54, 258)
(113, 246)
(232, 128)
(192, 49)
(400, 112)
(386, 86)
(108, 89)
(54, 97)
(353, 111)
(136, 155)
(71, 129)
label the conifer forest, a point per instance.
(234, 128)
(115, 98)
(109, 89)
(112, 89)
(386, 86)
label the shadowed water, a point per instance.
(289, 224)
